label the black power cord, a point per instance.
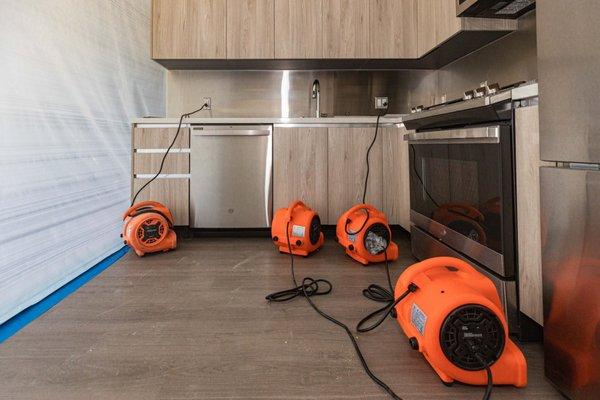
(376, 292)
(380, 294)
(309, 288)
(414, 167)
(162, 162)
(364, 196)
(490, 381)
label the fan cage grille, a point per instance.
(476, 324)
(315, 230)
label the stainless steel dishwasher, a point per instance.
(231, 179)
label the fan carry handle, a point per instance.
(132, 211)
(357, 207)
(437, 262)
(297, 203)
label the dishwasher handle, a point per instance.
(231, 131)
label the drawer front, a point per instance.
(149, 163)
(160, 138)
(173, 193)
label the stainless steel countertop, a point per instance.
(387, 120)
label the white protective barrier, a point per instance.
(73, 73)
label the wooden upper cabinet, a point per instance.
(189, 29)
(298, 29)
(437, 22)
(250, 26)
(426, 40)
(447, 23)
(393, 32)
(346, 29)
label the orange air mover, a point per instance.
(365, 234)
(455, 319)
(303, 227)
(148, 228)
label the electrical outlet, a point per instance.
(206, 100)
(381, 103)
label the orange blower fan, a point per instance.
(365, 234)
(148, 228)
(303, 227)
(454, 318)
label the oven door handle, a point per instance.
(480, 135)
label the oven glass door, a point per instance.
(461, 192)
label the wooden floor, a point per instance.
(194, 324)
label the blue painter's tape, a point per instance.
(23, 318)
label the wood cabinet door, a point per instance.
(447, 23)
(250, 29)
(393, 29)
(189, 29)
(298, 29)
(173, 193)
(437, 22)
(396, 191)
(346, 165)
(529, 241)
(160, 138)
(426, 29)
(345, 29)
(300, 168)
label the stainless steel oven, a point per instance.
(461, 192)
(462, 184)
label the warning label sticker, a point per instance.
(298, 230)
(418, 318)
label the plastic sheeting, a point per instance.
(73, 73)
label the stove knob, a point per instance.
(493, 88)
(479, 92)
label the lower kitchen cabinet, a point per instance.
(300, 168)
(396, 193)
(172, 192)
(149, 145)
(347, 152)
(149, 163)
(160, 138)
(529, 241)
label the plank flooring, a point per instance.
(193, 324)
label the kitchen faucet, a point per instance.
(316, 94)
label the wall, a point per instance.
(508, 60)
(288, 93)
(74, 72)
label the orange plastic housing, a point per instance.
(303, 227)
(352, 229)
(148, 228)
(444, 285)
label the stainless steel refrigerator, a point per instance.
(569, 87)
